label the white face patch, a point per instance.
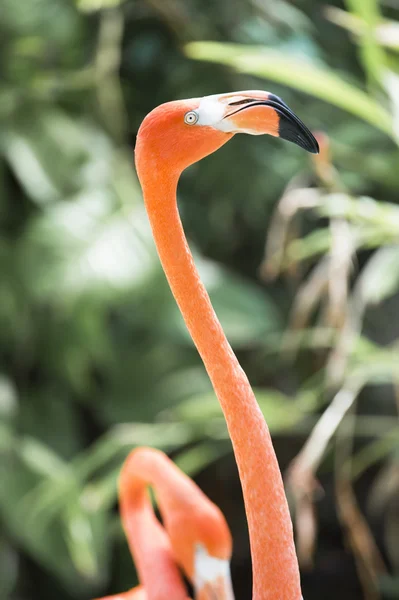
(209, 570)
(210, 111)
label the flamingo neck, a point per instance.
(148, 541)
(274, 563)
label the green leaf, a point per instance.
(391, 83)
(371, 53)
(374, 452)
(40, 459)
(386, 31)
(380, 276)
(8, 568)
(31, 144)
(377, 367)
(43, 537)
(195, 459)
(88, 245)
(319, 81)
(84, 533)
(8, 398)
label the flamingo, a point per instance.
(171, 138)
(195, 536)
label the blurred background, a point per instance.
(300, 255)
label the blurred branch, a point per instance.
(301, 477)
(372, 453)
(341, 256)
(385, 486)
(345, 315)
(94, 5)
(309, 458)
(280, 231)
(172, 12)
(342, 245)
(330, 277)
(368, 559)
(308, 295)
(107, 62)
(368, 287)
(386, 32)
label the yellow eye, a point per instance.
(191, 117)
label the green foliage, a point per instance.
(95, 358)
(299, 74)
(371, 53)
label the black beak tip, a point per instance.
(315, 146)
(293, 130)
(316, 150)
(291, 127)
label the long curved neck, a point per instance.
(148, 541)
(275, 567)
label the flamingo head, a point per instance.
(202, 545)
(180, 133)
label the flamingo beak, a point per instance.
(267, 114)
(212, 579)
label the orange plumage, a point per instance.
(171, 138)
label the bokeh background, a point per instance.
(300, 255)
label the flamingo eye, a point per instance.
(191, 117)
